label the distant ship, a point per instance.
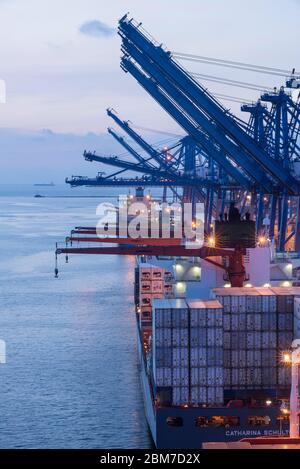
(49, 184)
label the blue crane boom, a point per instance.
(199, 118)
(145, 52)
(131, 150)
(191, 127)
(120, 163)
(139, 140)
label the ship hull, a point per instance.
(190, 436)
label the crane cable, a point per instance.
(234, 64)
(226, 81)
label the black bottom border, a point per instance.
(138, 458)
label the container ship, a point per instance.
(212, 357)
(215, 325)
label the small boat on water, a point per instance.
(49, 184)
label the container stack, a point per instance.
(297, 318)
(151, 286)
(168, 284)
(206, 352)
(234, 342)
(171, 348)
(285, 311)
(187, 351)
(257, 327)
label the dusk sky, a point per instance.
(60, 61)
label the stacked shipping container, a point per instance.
(187, 350)
(171, 348)
(151, 286)
(206, 352)
(258, 325)
(201, 348)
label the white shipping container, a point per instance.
(250, 358)
(257, 376)
(180, 395)
(195, 395)
(242, 340)
(227, 322)
(226, 302)
(285, 340)
(214, 356)
(180, 356)
(242, 322)
(234, 304)
(145, 273)
(180, 318)
(180, 337)
(269, 357)
(253, 340)
(297, 318)
(214, 317)
(253, 304)
(227, 377)
(242, 377)
(235, 358)
(214, 336)
(214, 395)
(202, 317)
(253, 377)
(215, 376)
(145, 299)
(226, 340)
(250, 322)
(238, 358)
(227, 358)
(145, 286)
(257, 322)
(268, 376)
(198, 376)
(242, 304)
(163, 357)
(198, 337)
(219, 395)
(180, 376)
(157, 286)
(167, 318)
(284, 376)
(235, 343)
(234, 376)
(194, 317)
(268, 340)
(202, 395)
(269, 321)
(163, 337)
(158, 315)
(258, 358)
(198, 356)
(157, 273)
(163, 376)
(235, 322)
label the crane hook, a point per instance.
(56, 268)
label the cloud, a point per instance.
(96, 28)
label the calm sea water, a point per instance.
(71, 378)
